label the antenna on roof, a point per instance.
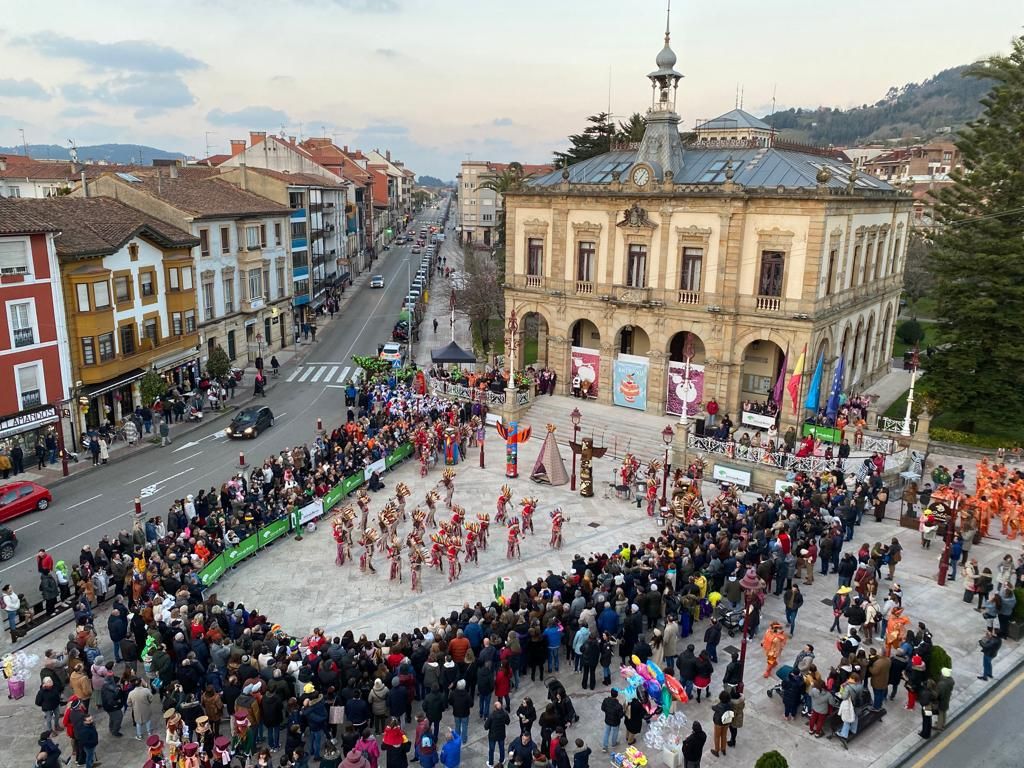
(208, 135)
(24, 141)
(73, 151)
(736, 104)
(741, 97)
(771, 136)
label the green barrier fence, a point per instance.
(212, 571)
(400, 453)
(273, 531)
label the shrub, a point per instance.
(1018, 609)
(937, 660)
(910, 332)
(152, 387)
(771, 760)
(943, 435)
(218, 365)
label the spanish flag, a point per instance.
(794, 380)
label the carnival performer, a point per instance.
(485, 524)
(628, 470)
(557, 521)
(454, 566)
(448, 481)
(416, 559)
(424, 460)
(343, 534)
(773, 642)
(395, 556)
(652, 486)
(502, 505)
(419, 518)
(895, 629)
(367, 541)
(402, 492)
(432, 499)
(472, 532)
(529, 505)
(513, 539)
(363, 501)
(457, 519)
(436, 551)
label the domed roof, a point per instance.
(666, 58)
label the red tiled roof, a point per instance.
(21, 167)
(98, 226)
(212, 160)
(298, 179)
(17, 220)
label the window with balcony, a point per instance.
(855, 269)
(146, 283)
(229, 295)
(280, 281)
(101, 295)
(535, 257)
(585, 252)
(895, 257)
(88, 351)
(176, 324)
(266, 284)
(693, 261)
(151, 331)
(122, 289)
(298, 230)
(204, 242)
(225, 239)
(255, 284)
(277, 234)
(636, 266)
(263, 235)
(190, 321)
(772, 267)
(252, 238)
(127, 333)
(295, 200)
(830, 277)
(14, 257)
(23, 332)
(106, 345)
(172, 279)
(186, 278)
(208, 306)
(30, 385)
(82, 292)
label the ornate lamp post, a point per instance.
(915, 361)
(752, 587)
(688, 354)
(575, 417)
(511, 345)
(667, 435)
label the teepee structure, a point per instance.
(549, 467)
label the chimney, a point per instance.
(345, 149)
(255, 137)
(85, 187)
(387, 154)
(237, 146)
(291, 140)
(3, 163)
(174, 171)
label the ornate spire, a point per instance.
(665, 79)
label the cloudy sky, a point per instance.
(437, 80)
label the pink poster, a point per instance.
(684, 390)
(586, 363)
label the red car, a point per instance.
(21, 497)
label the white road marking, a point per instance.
(179, 461)
(66, 541)
(27, 525)
(149, 490)
(334, 386)
(319, 373)
(330, 373)
(86, 501)
(294, 374)
(133, 482)
(305, 374)
(344, 374)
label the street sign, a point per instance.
(396, 363)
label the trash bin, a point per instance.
(15, 688)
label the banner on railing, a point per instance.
(275, 530)
(757, 420)
(726, 474)
(682, 389)
(629, 381)
(828, 434)
(212, 571)
(312, 511)
(400, 453)
(586, 363)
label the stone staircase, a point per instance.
(620, 430)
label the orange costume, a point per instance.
(895, 630)
(773, 642)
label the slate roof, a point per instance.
(735, 118)
(18, 220)
(198, 192)
(99, 226)
(752, 167)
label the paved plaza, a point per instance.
(297, 584)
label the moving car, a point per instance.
(249, 422)
(20, 497)
(377, 281)
(391, 351)
(8, 543)
(416, 249)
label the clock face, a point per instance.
(641, 176)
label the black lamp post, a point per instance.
(752, 588)
(575, 418)
(666, 435)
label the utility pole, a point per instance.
(24, 141)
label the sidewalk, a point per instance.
(439, 307)
(889, 388)
(53, 475)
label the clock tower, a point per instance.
(662, 147)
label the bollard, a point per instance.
(319, 425)
(241, 459)
(138, 507)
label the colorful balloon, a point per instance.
(656, 671)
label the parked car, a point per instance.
(416, 249)
(21, 497)
(8, 543)
(377, 281)
(249, 422)
(391, 351)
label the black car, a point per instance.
(8, 543)
(249, 422)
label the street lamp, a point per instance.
(752, 587)
(688, 354)
(915, 361)
(666, 435)
(575, 418)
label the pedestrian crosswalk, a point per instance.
(324, 374)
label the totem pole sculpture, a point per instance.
(587, 453)
(513, 436)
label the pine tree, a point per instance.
(977, 373)
(597, 138)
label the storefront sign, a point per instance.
(758, 420)
(273, 531)
(586, 363)
(629, 382)
(827, 434)
(682, 389)
(726, 474)
(26, 420)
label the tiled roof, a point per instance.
(21, 167)
(98, 226)
(298, 179)
(18, 220)
(212, 160)
(197, 191)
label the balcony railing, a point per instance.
(534, 281)
(769, 303)
(23, 337)
(689, 297)
(584, 287)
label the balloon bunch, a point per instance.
(665, 732)
(499, 589)
(650, 685)
(18, 666)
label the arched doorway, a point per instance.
(632, 340)
(685, 377)
(585, 357)
(533, 344)
(631, 368)
(762, 363)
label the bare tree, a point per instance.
(480, 296)
(917, 276)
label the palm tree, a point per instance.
(509, 179)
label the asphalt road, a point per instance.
(985, 735)
(100, 502)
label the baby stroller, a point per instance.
(781, 673)
(731, 619)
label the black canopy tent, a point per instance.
(452, 353)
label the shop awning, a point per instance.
(453, 353)
(26, 420)
(95, 390)
(175, 358)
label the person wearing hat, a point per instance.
(222, 750)
(204, 734)
(314, 714)
(395, 744)
(840, 604)
(773, 642)
(173, 736)
(895, 629)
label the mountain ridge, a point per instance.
(120, 154)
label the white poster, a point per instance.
(757, 420)
(378, 466)
(311, 511)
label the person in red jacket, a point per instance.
(503, 684)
